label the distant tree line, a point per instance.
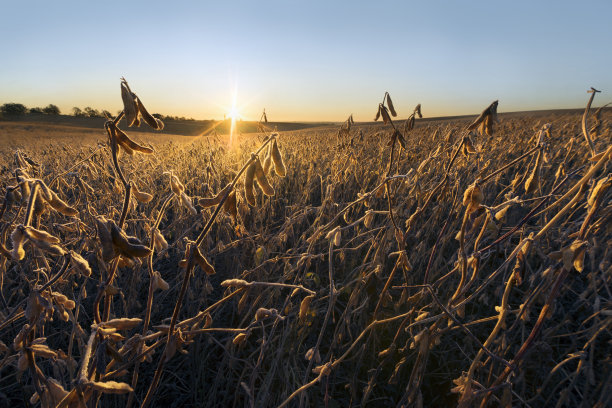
(89, 112)
(18, 109)
(170, 117)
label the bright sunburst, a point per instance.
(233, 113)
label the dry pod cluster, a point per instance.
(119, 138)
(179, 191)
(159, 242)
(134, 109)
(485, 121)
(115, 242)
(256, 174)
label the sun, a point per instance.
(233, 113)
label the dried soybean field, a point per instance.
(399, 263)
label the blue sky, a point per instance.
(306, 60)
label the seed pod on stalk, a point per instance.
(385, 114)
(128, 246)
(104, 235)
(390, 105)
(18, 239)
(126, 143)
(130, 108)
(484, 122)
(277, 158)
(472, 197)
(533, 181)
(152, 121)
(160, 242)
(267, 163)
(203, 262)
(249, 179)
(304, 307)
(230, 205)
(134, 109)
(209, 202)
(262, 180)
(140, 195)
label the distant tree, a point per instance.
(76, 111)
(36, 110)
(92, 113)
(13, 109)
(159, 116)
(51, 110)
(107, 114)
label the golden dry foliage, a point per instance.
(402, 263)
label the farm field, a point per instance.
(458, 262)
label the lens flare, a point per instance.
(233, 114)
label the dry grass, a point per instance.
(462, 269)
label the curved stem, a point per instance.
(585, 128)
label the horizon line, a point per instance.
(315, 121)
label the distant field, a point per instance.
(172, 127)
(36, 131)
(34, 135)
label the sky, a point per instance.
(306, 60)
